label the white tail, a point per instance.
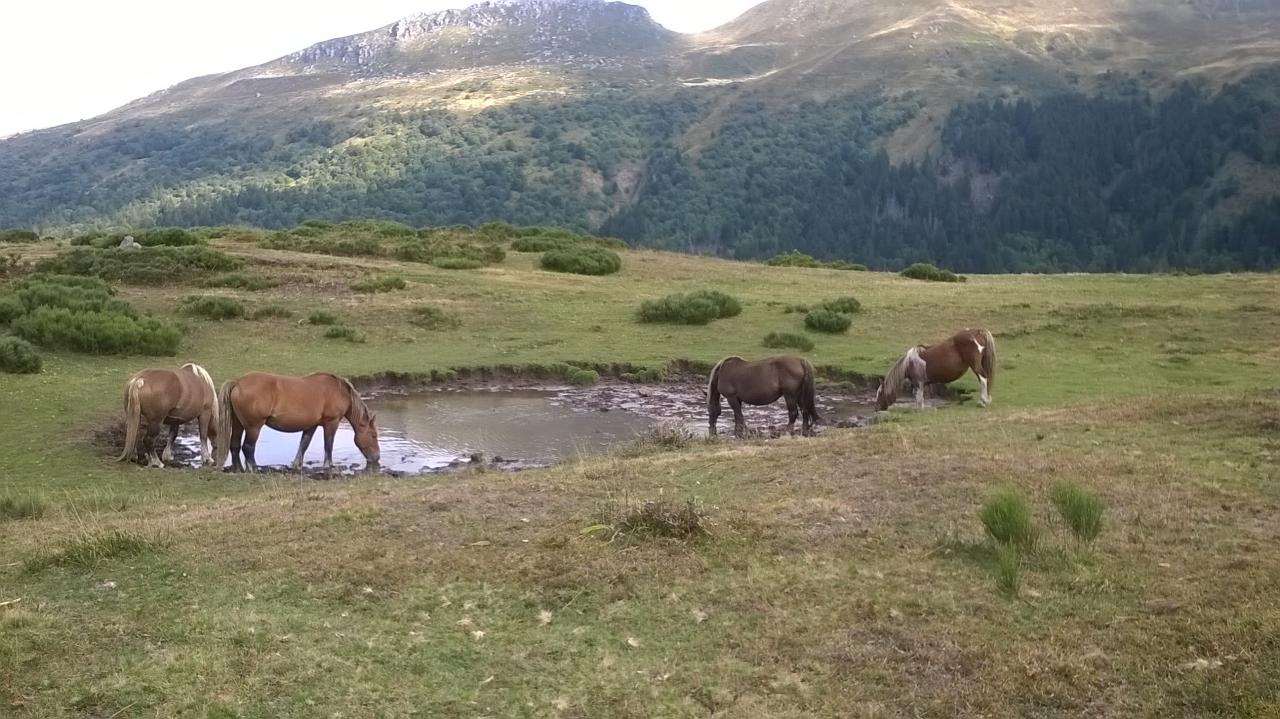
(132, 417)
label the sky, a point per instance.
(66, 60)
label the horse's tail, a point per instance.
(132, 417)
(713, 384)
(808, 393)
(222, 447)
(988, 358)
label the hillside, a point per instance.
(848, 129)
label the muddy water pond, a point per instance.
(518, 427)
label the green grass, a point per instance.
(340, 332)
(240, 281)
(21, 507)
(267, 312)
(1006, 516)
(379, 283)
(788, 340)
(1080, 510)
(322, 318)
(819, 590)
(214, 307)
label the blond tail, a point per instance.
(132, 418)
(989, 358)
(223, 446)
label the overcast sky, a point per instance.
(65, 60)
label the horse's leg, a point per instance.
(206, 444)
(984, 398)
(171, 445)
(250, 444)
(920, 395)
(713, 413)
(739, 423)
(237, 436)
(153, 433)
(793, 412)
(302, 448)
(330, 431)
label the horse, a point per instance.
(946, 361)
(155, 397)
(760, 383)
(291, 404)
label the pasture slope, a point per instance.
(843, 576)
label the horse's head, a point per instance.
(882, 398)
(366, 431)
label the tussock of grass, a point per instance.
(379, 283)
(340, 332)
(845, 305)
(1007, 518)
(95, 547)
(270, 312)
(17, 356)
(21, 507)
(430, 317)
(240, 281)
(1008, 570)
(214, 307)
(321, 317)
(827, 321)
(457, 263)
(582, 377)
(788, 340)
(1081, 510)
(663, 437)
(660, 519)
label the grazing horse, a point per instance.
(155, 397)
(947, 361)
(291, 404)
(763, 382)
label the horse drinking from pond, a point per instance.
(291, 404)
(941, 363)
(156, 397)
(763, 382)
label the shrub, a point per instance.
(433, 249)
(18, 356)
(10, 309)
(214, 307)
(21, 507)
(270, 311)
(827, 321)
(153, 237)
(792, 309)
(795, 258)
(539, 243)
(846, 305)
(240, 281)
(1008, 569)
(694, 308)
(339, 332)
(19, 236)
(457, 263)
(78, 294)
(582, 260)
(379, 283)
(1007, 519)
(105, 332)
(148, 266)
(930, 273)
(320, 317)
(663, 519)
(430, 317)
(784, 340)
(582, 377)
(1081, 510)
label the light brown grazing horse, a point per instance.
(156, 397)
(947, 361)
(291, 404)
(763, 382)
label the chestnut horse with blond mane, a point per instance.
(941, 363)
(156, 397)
(291, 404)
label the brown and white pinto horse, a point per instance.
(946, 361)
(156, 397)
(291, 404)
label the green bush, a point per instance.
(214, 307)
(1007, 519)
(153, 237)
(379, 283)
(19, 236)
(79, 294)
(320, 317)
(339, 332)
(240, 281)
(270, 311)
(18, 356)
(10, 309)
(430, 317)
(97, 332)
(846, 305)
(694, 308)
(930, 273)
(539, 243)
(583, 377)
(582, 260)
(795, 258)
(827, 321)
(1081, 510)
(147, 266)
(457, 263)
(787, 340)
(429, 250)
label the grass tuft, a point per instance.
(21, 507)
(341, 332)
(214, 307)
(457, 263)
(240, 281)
(787, 340)
(430, 317)
(1081, 510)
(845, 305)
(1008, 570)
(827, 321)
(1007, 518)
(582, 377)
(321, 317)
(662, 519)
(92, 548)
(379, 283)
(271, 311)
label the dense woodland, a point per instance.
(1117, 180)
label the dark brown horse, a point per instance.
(763, 382)
(947, 361)
(156, 397)
(291, 404)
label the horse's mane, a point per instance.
(203, 374)
(359, 409)
(893, 379)
(716, 370)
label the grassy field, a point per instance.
(845, 575)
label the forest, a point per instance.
(1118, 180)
